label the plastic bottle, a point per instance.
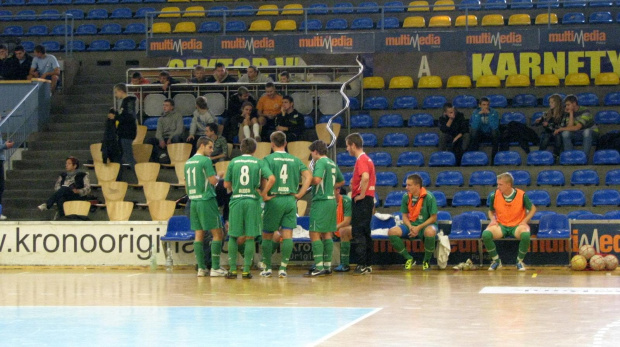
(153, 259)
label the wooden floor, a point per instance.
(435, 308)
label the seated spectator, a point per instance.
(246, 120)
(201, 118)
(220, 146)
(19, 64)
(454, 136)
(236, 100)
(4, 63)
(126, 118)
(45, 66)
(220, 75)
(166, 81)
(578, 125)
(290, 122)
(551, 121)
(253, 75)
(70, 185)
(137, 79)
(200, 75)
(484, 125)
(169, 130)
(269, 107)
(284, 77)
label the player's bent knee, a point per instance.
(395, 231)
(525, 236)
(487, 235)
(430, 231)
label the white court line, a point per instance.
(600, 335)
(138, 274)
(552, 290)
(344, 327)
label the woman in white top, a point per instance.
(201, 117)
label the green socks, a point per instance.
(487, 238)
(267, 246)
(524, 245)
(287, 250)
(248, 254)
(345, 250)
(429, 248)
(317, 252)
(232, 253)
(216, 250)
(274, 247)
(200, 254)
(241, 248)
(399, 246)
(328, 250)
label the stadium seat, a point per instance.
(393, 7)
(111, 29)
(292, 9)
(540, 158)
(573, 18)
(606, 197)
(573, 157)
(612, 177)
(544, 18)
(210, 27)
(162, 28)
(587, 99)
(388, 23)
(607, 79)
(612, 99)
(535, 117)
(430, 82)
(590, 216)
(550, 177)
(576, 213)
(374, 82)
(285, 25)
(521, 177)
(315, 8)
(142, 45)
(508, 117)
(443, 5)
(584, 177)
(343, 8)
(466, 226)
(381, 158)
(519, 19)
(521, 4)
(459, 81)
(606, 157)
(243, 11)
(354, 104)
(325, 119)
(194, 11)
(488, 81)
(394, 198)
(426, 178)
(553, 226)
(131, 1)
(434, 101)
(345, 159)
(51, 46)
(38, 2)
(99, 46)
(361, 121)
(395, 140)
(99, 14)
(548, 4)
(28, 46)
(524, 100)
(421, 120)
(347, 177)
(77, 46)
(370, 139)
(37, 30)
(601, 18)
(414, 22)
(267, 10)
(546, 80)
(84, 29)
(376, 103)
(13, 30)
(236, 26)
(462, 21)
(517, 81)
(571, 197)
(442, 158)
(308, 122)
(260, 25)
(507, 158)
(539, 197)
(217, 11)
(478, 214)
(386, 179)
(471, 5)
(178, 229)
(577, 79)
(441, 200)
(311, 24)
(539, 214)
(613, 214)
(443, 216)
(497, 100)
(466, 198)
(412, 158)
(336, 24)
(405, 102)
(482, 178)
(142, 12)
(601, 3)
(450, 178)
(493, 20)
(135, 28)
(475, 158)
(426, 139)
(364, 23)
(440, 22)
(124, 45)
(390, 121)
(26, 15)
(60, 2)
(401, 82)
(49, 15)
(465, 101)
(121, 13)
(418, 6)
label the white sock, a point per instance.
(246, 131)
(256, 129)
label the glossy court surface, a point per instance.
(135, 307)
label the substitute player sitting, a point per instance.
(343, 218)
(200, 181)
(244, 178)
(281, 205)
(419, 209)
(510, 211)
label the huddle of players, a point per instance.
(280, 175)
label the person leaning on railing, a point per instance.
(45, 66)
(18, 66)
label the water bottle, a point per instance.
(153, 259)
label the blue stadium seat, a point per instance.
(442, 158)
(587, 99)
(178, 229)
(381, 158)
(434, 101)
(217, 11)
(361, 121)
(111, 29)
(85, 29)
(312, 24)
(469, 5)
(426, 139)
(343, 8)
(466, 198)
(317, 9)
(7, 16)
(60, 2)
(75, 13)
(465, 101)
(613, 214)
(606, 197)
(538, 215)
(28, 46)
(235, 26)
(364, 23)
(535, 117)
(576, 213)
(370, 139)
(37, 30)
(345, 159)
(612, 99)
(405, 102)
(571, 197)
(121, 13)
(410, 159)
(336, 24)
(395, 140)
(607, 117)
(83, 2)
(376, 223)
(376, 103)
(26, 15)
(548, 4)
(546, 98)
(590, 216)
(142, 45)
(449, 178)
(573, 157)
(553, 226)
(304, 222)
(130, 1)
(325, 119)
(38, 2)
(107, 1)
(99, 46)
(601, 3)
(347, 177)
(524, 100)
(13, 30)
(601, 18)
(124, 45)
(394, 7)
(482, 178)
(368, 7)
(97, 14)
(77, 46)
(390, 121)
(187, 122)
(495, 5)
(521, 4)
(539, 197)
(475, 158)
(354, 104)
(507, 158)
(426, 178)
(421, 120)
(440, 197)
(466, 226)
(606, 157)
(394, 198)
(584, 177)
(387, 179)
(444, 216)
(508, 117)
(141, 12)
(574, 3)
(135, 28)
(521, 177)
(573, 18)
(308, 122)
(612, 177)
(550, 177)
(538, 158)
(51, 46)
(497, 100)
(478, 214)
(49, 15)
(388, 23)
(243, 11)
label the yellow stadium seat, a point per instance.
(430, 82)
(607, 79)
(418, 6)
(194, 8)
(444, 5)
(543, 18)
(462, 21)
(440, 22)
(260, 25)
(459, 81)
(577, 79)
(546, 80)
(401, 82)
(184, 27)
(517, 81)
(492, 20)
(414, 22)
(162, 28)
(520, 19)
(267, 10)
(488, 81)
(170, 15)
(375, 82)
(285, 25)
(292, 9)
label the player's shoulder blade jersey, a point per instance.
(328, 171)
(197, 171)
(244, 173)
(287, 170)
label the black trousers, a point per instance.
(60, 196)
(361, 216)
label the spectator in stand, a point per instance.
(127, 128)
(550, 122)
(269, 107)
(578, 124)
(284, 77)
(19, 64)
(45, 66)
(137, 79)
(170, 130)
(201, 118)
(484, 125)
(220, 75)
(236, 100)
(454, 136)
(290, 122)
(248, 119)
(220, 146)
(4, 60)
(166, 81)
(200, 75)
(3, 145)
(253, 75)
(70, 185)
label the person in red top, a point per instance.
(363, 195)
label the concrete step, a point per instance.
(92, 125)
(39, 165)
(68, 135)
(80, 117)
(22, 183)
(95, 88)
(88, 107)
(11, 193)
(49, 175)
(27, 213)
(58, 156)
(66, 146)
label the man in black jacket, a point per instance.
(290, 122)
(454, 128)
(126, 118)
(18, 66)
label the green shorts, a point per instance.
(244, 218)
(405, 231)
(204, 215)
(508, 231)
(281, 211)
(323, 216)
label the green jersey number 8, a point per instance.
(244, 178)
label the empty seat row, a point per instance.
(84, 29)
(96, 14)
(74, 2)
(93, 46)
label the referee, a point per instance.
(363, 194)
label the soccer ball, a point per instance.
(611, 262)
(587, 251)
(597, 263)
(578, 263)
